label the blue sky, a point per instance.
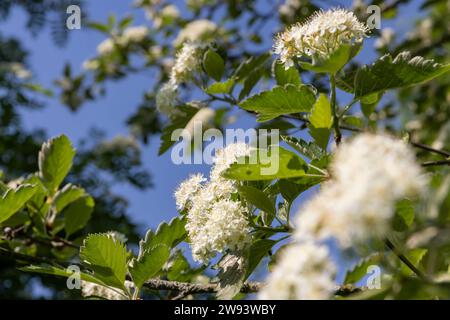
(150, 207)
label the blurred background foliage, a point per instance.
(245, 30)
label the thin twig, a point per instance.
(404, 259)
(436, 163)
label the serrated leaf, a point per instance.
(149, 263)
(279, 163)
(280, 100)
(169, 234)
(308, 149)
(77, 214)
(251, 64)
(321, 121)
(283, 76)
(221, 87)
(258, 250)
(107, 257)
(387, 73)
(55, 161)
(14, 199)
(360, 269)
(257, 198)
(213, 64)
(66, 195)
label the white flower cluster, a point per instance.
(129, 35)
(89, 289)
(304, 272)
(320, 36)
(216, 221)
(369, 174)
(201, 30)
(187, 62)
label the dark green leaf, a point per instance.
(280, 100)
(213, 64)
(77, 214)
(257, 198)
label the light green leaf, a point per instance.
(257, 198)
(169, 234)
(48, 269)
(360, 269)
(55, 161)
(404, 215)
(107, 257)
(148, 264)
(321, 121)
(279, 163)
(221, 87)
(213, 64)
(387, 73)
(335, 62)
(77, 214)
(280, 100)
(415, 256)
(14, 199)
(66, 195)
(283, 76)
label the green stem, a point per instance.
(337, 130)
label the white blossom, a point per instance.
(386, 38)
(304, 272)
(166, 99)
(369, 174)
(187, 62)
(91, 64)
(106, 47)
(165, 16)
(215, 220)
(225, 157)
(134, 34)
(197, 31)
(187, 190)
(320, 36)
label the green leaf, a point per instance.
(148, 264)
(14, 199)
(107, 257)
(279, 163)
(180, 122)
(103, 28)
(77, 214)
(335, 62)
(415, 256)
(292, 188)
(257, 198)
(48, 269)
(258, 250)
(308, 149)
(213, 64)
(283, 76)
(387, 73)
(280, 100)
(321, 121)
(360, 269)
(169, 234)
(66, 195)
(404, 215)
(55, 161)
(221, 87)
